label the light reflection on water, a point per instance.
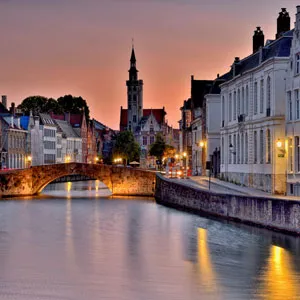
(108, 248)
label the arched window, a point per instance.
(268, 107)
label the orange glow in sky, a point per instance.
(59, 47)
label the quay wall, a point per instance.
(274, 213)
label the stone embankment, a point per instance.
(277, 214)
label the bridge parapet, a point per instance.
(120, 180)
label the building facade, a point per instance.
(253, 116)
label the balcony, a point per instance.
(241, 118)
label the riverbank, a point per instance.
(274, 213)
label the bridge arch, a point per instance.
(119, 180)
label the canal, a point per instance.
(74, 242)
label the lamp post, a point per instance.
(185, 164)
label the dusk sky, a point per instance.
(82, 47)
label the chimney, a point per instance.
(13, 109)
(4, 100)
(283, 23)
(258, 39)
(235, 66)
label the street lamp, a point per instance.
(67, 159)
(29, 159)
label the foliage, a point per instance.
(75, 105)
(170, 151)
(34, 104)
(52, 106)
(158, 148)
(126, 147)
(68, 103)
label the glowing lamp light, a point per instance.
(176, 156)
(67, 159)
(279, 144)
(29, 158)
(184, 154)
(201, 144)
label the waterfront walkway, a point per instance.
(224, 187)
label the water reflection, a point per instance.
(107, 248)
(279, 278)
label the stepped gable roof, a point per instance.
(158, 113)
(74, 119)
(46, 119)
(66, 128)
(277, 48)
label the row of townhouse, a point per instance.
(245, 124)
(45, 139)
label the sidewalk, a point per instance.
(224, 187)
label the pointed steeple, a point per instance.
(133, 71)
(132, 59)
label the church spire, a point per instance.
(133, 71)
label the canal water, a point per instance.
(75, 242)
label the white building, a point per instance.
(69, 143)
(292, 143)
(253, 115)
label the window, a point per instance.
(262, 99)
(223, 110)
(234, 145)
(297, 153)
(297, 63)
(255, 148)
(243, 101)
(222, 151)
(234, 106)
(145, 140)
(242, 148)
(134, 119)
(230, 154)
(290, 105)
(151, 129)
(238, 150)
(268, 146)
(230, 108)
(297, 104)
(246, 148)
(269, 95)
(247, 104)
(239, 103)
(261, 147)
(255, 99)
(151, 139)
(290, 155)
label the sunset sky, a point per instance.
(82, 47)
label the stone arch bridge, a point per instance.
(120, 180)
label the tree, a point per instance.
(52, 106)
(126, 147)
(34, 104)
(170, 151)
(157, 149)
(75, 105)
